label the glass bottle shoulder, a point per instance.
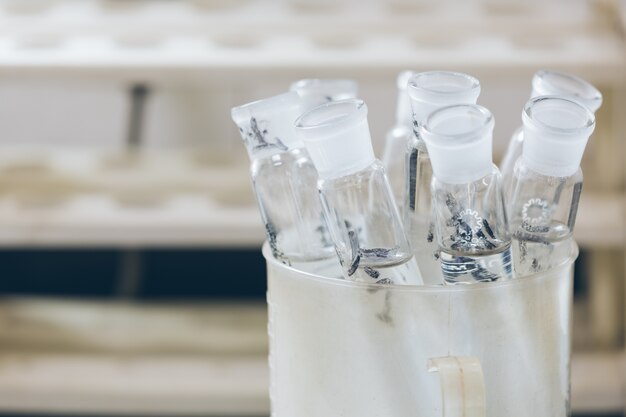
(526, 176)
(373, 172)
(417, 144)
(492, 181)
(280, 163)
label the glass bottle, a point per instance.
(316, 91)
(470, 218)
(397, 139)
(284, 182)
(547, 182)
(360, 210)
(548, 83)
(428, 91)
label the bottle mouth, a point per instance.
(331, 89)
(561, 84)
(558, 116)
(266, 108)
(402, 82)
(458, 125)
(443, 87)
(333, 115)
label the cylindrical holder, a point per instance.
(349, 349)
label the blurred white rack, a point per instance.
(327, 36)
(225, 386)
(164, 359)
(87, 199)
(199, 55)
(128, 359)
(64, 198)
(154, 385)
(99, 221)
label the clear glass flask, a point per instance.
(428, 91)
(548, 83)
(284, 181)
(547, 181)
(470, 218)
(316, 91)
(398, 138)
(358, 203)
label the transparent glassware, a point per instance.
(397, 139)
(316, 91)
(361, 213)
(470, 219)
(428, 91)
(548, 83)
(284, 181)
(547, 181)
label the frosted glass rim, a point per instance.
(443, 289)
(455, 140)
(354, 111)
(421, 86)
(338, 88)
(587, 117)
(402, 81)
(562, 84)
(272, 106)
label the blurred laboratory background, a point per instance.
(132, 276)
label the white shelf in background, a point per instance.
(223, 35)
(163, 359)
(600, 221)
(132, 385)
(155, 199)
(598, 382)
(158, 199)
(100, 221)
(188, 385)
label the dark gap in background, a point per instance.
(197, 273)
(580, 281)
(164, 273)
(58, 272)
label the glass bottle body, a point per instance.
(285, 188)
(364, 223)
(472, 230)
(417, 210)
(542, 213)
(396, 142)
(513, 152)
